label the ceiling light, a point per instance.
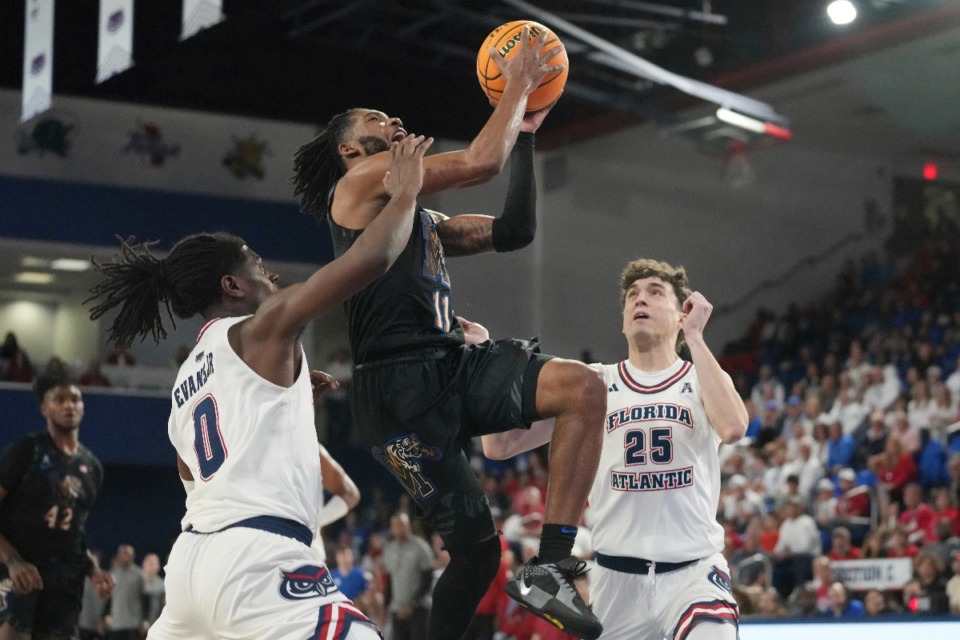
(33, 277)
(842, 12)
(70, 264)
(32, 262)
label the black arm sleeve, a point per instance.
(517, 225)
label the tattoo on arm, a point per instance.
(466, 235)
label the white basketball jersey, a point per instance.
(251, 445)
(657, 488)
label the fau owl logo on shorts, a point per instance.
(721, 579)
(308, 581)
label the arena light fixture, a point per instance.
(753, 124)
(33, 277)
(70, 264)
(842, 12)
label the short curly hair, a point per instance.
(642, 268)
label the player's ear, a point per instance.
(349, 150)
(231, 286)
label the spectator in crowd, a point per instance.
(917, 600)
(154, 592)
(945, 507)
(946, 545)
(55, 367)
(875, 603)
(806, 467)
(920, 408)
(408, 560)
(741, 504)
(92, 608)
(124, 619)
(841, 604)
(929, 574)
(894, 468)
(840, 447)
(882, 385)
(900, 546)
(953, 585)
(906, 433)
(349, 578)
(944, 412)
(917, 518)
(750, 563)
(15, 365)
(802, 603)
(92, 376)
(848, 411)
(874, 545)
(853, 505)
(873, 440)
(798, 543)
(953, 467)
(825, 503)
(769, 605)
(767, 388)
(841, 547)
(822, 579)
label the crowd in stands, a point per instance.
(135, 603)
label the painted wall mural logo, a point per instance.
(246, 157)
(147, 142)
(52, 132)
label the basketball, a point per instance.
(505, 39)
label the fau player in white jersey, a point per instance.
(242, 422)
(658, 544)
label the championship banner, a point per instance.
(115, 45)
(37, 58)
(199, 15)
(886, 574)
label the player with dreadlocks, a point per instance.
(418, 394)
(242, 421)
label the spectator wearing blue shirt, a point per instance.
(840, 447)
(348, 578)
(841, 605)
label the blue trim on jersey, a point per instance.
(271, 524)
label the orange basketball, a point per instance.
(506, 39)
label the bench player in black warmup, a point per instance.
(418, 394)
(48, 482)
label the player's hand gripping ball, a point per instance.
(506, 40)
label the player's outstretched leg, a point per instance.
(576, 395)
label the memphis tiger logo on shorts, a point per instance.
(308, 581)
(721, 579)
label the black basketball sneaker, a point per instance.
(547, 590)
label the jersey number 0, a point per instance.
(207, 440)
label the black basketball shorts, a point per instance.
(417, 413)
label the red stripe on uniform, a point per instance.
(666, 384)
(715, 611)
(205, 327)
(335, 620)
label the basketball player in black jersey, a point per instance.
(418, 394)
(48, 482)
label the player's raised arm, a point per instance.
(723, 404)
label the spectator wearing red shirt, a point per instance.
(842, 549)
(894, 468)
(944, 507)
(93, 376)
(900, 546)
(917, 518)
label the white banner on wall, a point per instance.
(199, 15)
(876, 573)
(37, 58)
(115, 44)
